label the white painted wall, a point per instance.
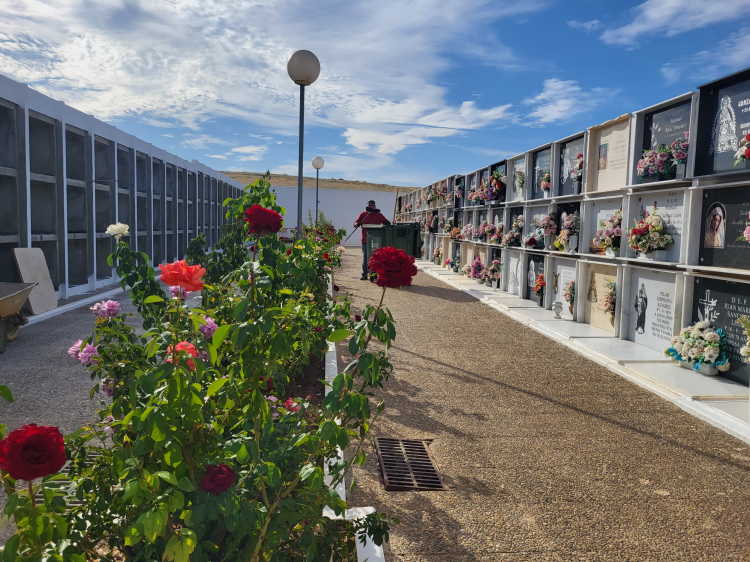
(341, 206)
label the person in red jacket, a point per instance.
(372, 215)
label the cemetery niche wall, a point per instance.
(563, 272)
(515, 273)
(651, 307)
(725, 228)
(595, 290)
(571, 167)
(721, 302)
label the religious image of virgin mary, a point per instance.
(715, 227)
(641, 303)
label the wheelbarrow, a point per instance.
(12, 298)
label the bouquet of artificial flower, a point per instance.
(467, 232)
(744, 321)
(609, 302)
(513, 238)
(745, 236)
(570, 292)
(680, 147)
(489, 229)
(655, 162)
(743, 152)
(576, 172)
(535, 239)
(477, 269)
(472, 196)
(466, 269)
(546, 181)
(649, 234)
(495, 268)
(481, 229)
(442, 223)
(539, 286)
(609, 233)
(482, 193)
(549, 224)
(455, 234)
(460, 193)
(700, 343)
(497, 238)
(520, 178)
(570, 226)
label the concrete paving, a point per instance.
(548, 455)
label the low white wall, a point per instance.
(341, 206)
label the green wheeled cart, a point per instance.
(12, 298)
(404, 236)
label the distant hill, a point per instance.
(287, 180)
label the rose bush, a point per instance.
(203, 453)
(394, 268)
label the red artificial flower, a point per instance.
(394, 268)
(327, 257)
(358, 317)
(262, 220)
(33, 451)
(188, 348)
(531, 242)
(637, 231)
(747, 137)
(218, 478)
(747, 151)
(579, 156)
(180, 273)
(289, 252)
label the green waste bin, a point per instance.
(404, 236)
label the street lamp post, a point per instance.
(303, 68)
(317, 164)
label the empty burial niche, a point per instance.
(406, 465)
(41, 145)
(123, 208)
(102, 161)
(170, 180)
(103, 210)
(77, 210)
(103, 249)
(43, 208)
(170, 215)
(158, 221)
(183, 183)
(78, 268)
(142, 214)
(123, 169)
(8, 138)
(75, 154)
(8, 269)
(8, 205)
(170, 248)
(158, 251)
(157, 177)
(141, 173)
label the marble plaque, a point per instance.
(569, 152)
(564, 272)
(664, 126)
(535, 268)
(500, 167)
(542, 165)
(651, 303)
(670, 207)
(609, 166)
(518, 181)
(721, 303)
(593, 291)
(725, 217)
(514, 273)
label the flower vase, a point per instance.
(455, 270)
(547, 193)
(572, 244)
(612, 320)
(557, 309)
(488, 282)
(541, 301)
(479, 281)
(570, 308)
(655, 255)
(704, 368)
(548, 240)
(609, 252)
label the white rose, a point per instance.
(701, 325)
(340, 249)
(117, 230)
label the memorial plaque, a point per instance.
(535, 268)
(610, 148)
(720, 303)
(500, 168)
(651, 303)
(518, 181)
(725, 219)
(471, 183)
(569, 151)
(566, 209)
(514, 273)
(564, 272)
(669, 206)
(723, 119)
(542, 166)
(662, 128)
(593, 290)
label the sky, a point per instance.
(408, 93)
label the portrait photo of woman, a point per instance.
(603, 156)
(715, 226)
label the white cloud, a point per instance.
(201, 141)
(219, 156)
(250, 153)
(187, 62)
(261, 137)
(672, 17)
(728, 55)
(169, 136)
(586, 26)
(561, 100)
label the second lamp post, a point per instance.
(317, 164)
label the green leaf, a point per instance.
(242, 455)
(215, 386)
(152, 298)
(130, 489)
(158, 427)
(353, 346)
(186, 484)
(240, 310)
(11, 548)
(168, 477)
(220, 334)
(339, 334)
(338, 383)
(11, 505)
(327, 430)
(6, 393)
(307, 471)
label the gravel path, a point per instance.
(548, 455)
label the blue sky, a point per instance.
(409, 92)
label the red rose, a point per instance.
(336, 288)
(269, 384)
(747, 151)
(394, 268)
(317, 329)
(218, 479)
(579, 156)
(358, 317)
(188, 348)
(33, 451)
(747, 137)
(252, 247)
(325, 239)
(289, 252)
(327, 257)
(180, 273)
(262, 220)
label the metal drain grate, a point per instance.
(406, 465)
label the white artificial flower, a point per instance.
(701, 325)
(724, 367)
(711, 354)
(117, 230)
(712, 337)
(745, 351)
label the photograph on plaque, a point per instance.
(597, 292)
(571, 166)
(725, 228)
(610, 146)
(666, 131)
(670, 207)
(535, 269)
(542, 163)
(722, 123)
(720, 303)
(651, 306)
(603, 156)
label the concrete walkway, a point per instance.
(548, 455)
